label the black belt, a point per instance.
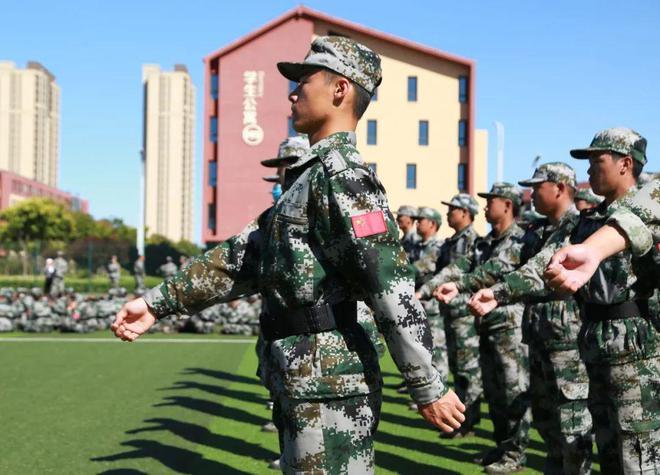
(307, 320)
(617, 311)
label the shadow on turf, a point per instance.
(177, 459)
(201, 435)
(213, 409)
(174, 458)
(218, 391)
(234, 378)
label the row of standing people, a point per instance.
(582, 364)
(55, 271)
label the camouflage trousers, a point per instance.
(440, 360)
(57, 287)
(327, 436)
(624, 400)
(559, 387)
(505, 372)
(463, 355)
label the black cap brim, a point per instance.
(279, 162)
(294, 71)
(583, 153)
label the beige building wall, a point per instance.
(398, 127)
(169, 117)
(29, 122)
(480, 177)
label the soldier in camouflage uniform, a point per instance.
(61, 268)
(139, 273)
(462, 338)
(168, 269)
(114, 272)
(619, 339)
(427, 251)
(329, 242)
(503, 356)
(558, 379)
(405, 219)
(586, 199)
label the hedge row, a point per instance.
(95, 285)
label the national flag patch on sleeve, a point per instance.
(369, 224)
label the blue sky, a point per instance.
(553, 73)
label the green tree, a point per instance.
(35, 220)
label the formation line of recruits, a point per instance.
(329, 243)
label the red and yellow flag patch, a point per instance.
(369, 224)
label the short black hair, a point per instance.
(362, 96)
(638, 167)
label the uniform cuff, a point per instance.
(157, 302)
(429, 392)
(502, 293)
(639, 236)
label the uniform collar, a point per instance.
(460, 233)
(321, 147)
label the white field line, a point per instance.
(117, 340)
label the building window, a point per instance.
(215, 81)
(462, 177)
(211, 217)
(372, 166)
(372, 132)
(214, 129)
(375, 96)
(462, 132)
(411, 176)
(462, 89)
(290, 130)
(423, 132)
(213, 174)
(412, 88)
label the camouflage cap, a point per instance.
(341, 55)
(503, 189)
(407, 210)
(556, 172)
(429, 213)
(618, 139)
(291, 149)
(589, 196)
(464, 201)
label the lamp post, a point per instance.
(140, 227)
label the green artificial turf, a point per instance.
(187, 407)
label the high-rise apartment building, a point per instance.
(29, 122)
(418, 133)
(169, 118)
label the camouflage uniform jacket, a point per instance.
(114, 270)
(61, 267)
(552, 321)
(453, 248)
(427, 255)
(619, 278)
(459, 247)
(639, 217)
(409, 242)
(311, 254)
(492, 257)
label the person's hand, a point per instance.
(482, 303)
(571, 267)
(418, 295)
(133, 320)
(446, 292)
(446, 413)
